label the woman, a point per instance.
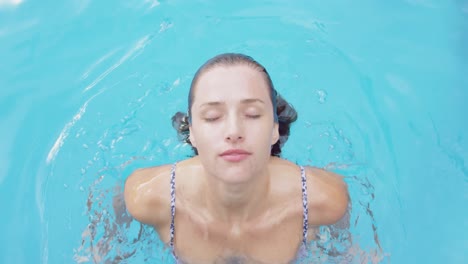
(235, 201)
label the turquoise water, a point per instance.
(87, 89)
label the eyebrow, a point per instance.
(244, 101)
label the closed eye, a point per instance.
(211, 119)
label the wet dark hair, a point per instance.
(284, 115)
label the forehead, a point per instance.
(238, 81)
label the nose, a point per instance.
(234, 130)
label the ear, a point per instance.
(275, 136)
(192, 138)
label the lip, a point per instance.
(235, 155)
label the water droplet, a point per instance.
(166, 142)
(129, 129)
(322, 95)
(164, 26)
(103, 147)
(347, 141)
(65, 185)
(164, 88)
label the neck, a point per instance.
(237, 202)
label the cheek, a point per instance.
(261, 136)
(205, 137)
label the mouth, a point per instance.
(235, 155)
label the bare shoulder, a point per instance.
(147, 195)
(327, 195)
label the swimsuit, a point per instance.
(305, 212)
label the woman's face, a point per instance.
(232, 122)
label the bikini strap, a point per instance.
(305, 208)
(172, 227)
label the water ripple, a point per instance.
(85, 75)
(66, 130)
(140, 44)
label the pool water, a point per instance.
(87, 90)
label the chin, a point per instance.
(235, 172)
